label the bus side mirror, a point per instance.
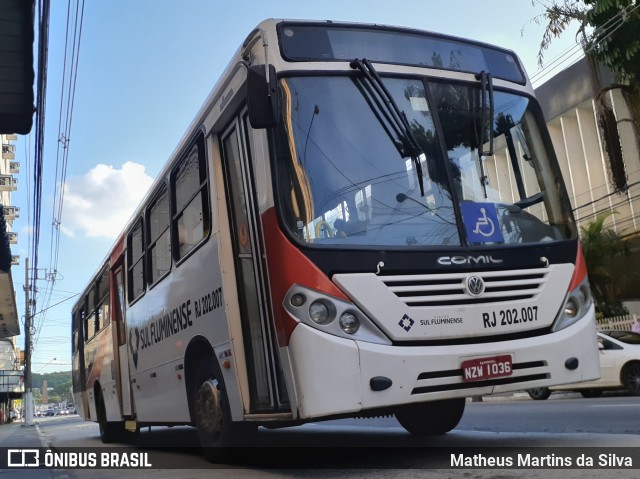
(262, 96)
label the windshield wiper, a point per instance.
(486, 119)
(388, 114)
(486, 125)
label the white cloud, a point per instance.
(100, 202)
(26, 230)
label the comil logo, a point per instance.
(23, 458)
(468, 260)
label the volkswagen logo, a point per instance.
(474, 286)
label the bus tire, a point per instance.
(212, 413)
(539, 394)
(109, 431)
(431, 418)
(591, 393)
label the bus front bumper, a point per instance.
(335, 376)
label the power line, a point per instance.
(599, 33)
(75, 17)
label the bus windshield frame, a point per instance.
(341, 179)
(300, 42)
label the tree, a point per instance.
(62, 389)
(599, 245)
(610, 31)
(614, 37)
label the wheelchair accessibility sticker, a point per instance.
(481, 223)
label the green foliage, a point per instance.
(616, 37)
(558, 17)
(599, 245)
(54, 380)
(610, 28)
(610, 36)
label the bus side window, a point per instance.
(83, 320)
(190, 221)
(90, 316)
(102, 311)
(159, 244)
(74, 332)
(135, 263)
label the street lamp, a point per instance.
(45, 366)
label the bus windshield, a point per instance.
(342, 177)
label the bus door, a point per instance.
(79, 377)
(122, 343)
(266, 382)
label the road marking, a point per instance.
(615, 405)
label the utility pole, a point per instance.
(28, 397)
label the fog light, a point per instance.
(349, 323)
(319, 312)
(298, 300)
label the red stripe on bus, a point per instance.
(287, 265)
(580, 271)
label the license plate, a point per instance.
(486, 368)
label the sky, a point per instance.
(144, 69)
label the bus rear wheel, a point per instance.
(431, 418)
(591, 393)
(109, 431)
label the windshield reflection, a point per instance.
(342, 179)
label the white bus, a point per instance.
(361, 220)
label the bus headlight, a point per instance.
(331, 315)
(571, 308)
(349, 322)
(585, 293)
(319, 312)
(576, 305)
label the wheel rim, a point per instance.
(633, 379)
(538, 392)
(208, 411)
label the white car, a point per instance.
(619, 367)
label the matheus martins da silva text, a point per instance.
(545, 461)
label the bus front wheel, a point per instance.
(431, 418)
(212, 417)
(539, 394)
(211, 411)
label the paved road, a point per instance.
(563, 426)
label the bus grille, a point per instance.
(448, 289)
(437, 381)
